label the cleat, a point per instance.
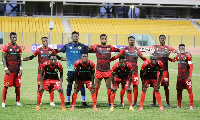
(95, 108)
(141, 108)
(37, 108)
(122, 105)
(112, 108)
(18, 104)
(168, 106)
(131, 108)
(161, 108)
(178, 106)
(191, 108)
(67, 103)
(153, 105)
(63, 109)
(135, 104)
(72, 107)
(84, 103)
(52, 104)
(3, 105)
(40, 104)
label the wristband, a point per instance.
(20, 68)
(6, 68)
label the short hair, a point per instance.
(131, 37)
(52, 54)
(75, 33)
(162, 36)
(182, 45)
(44, 37)
(103, 35)
(84, 53)
(12, 33)
(122, 57)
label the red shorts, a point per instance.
(124, 83)
(48, 82)
(103, 74)
(135, 79)
(81, 83)
(165, 78)
(152, 83)
(12, 80)
(183, 84)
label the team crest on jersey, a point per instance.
(79, 47)
(7, 83)
(184, 58)
(50, 52)
(135, 51)
(70, 47)
(108, 48)
(56, 70)
(88, 68)
(166, 49)
(17, 49)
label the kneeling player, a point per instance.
(121, 73)
(84, 74)
(148, 75)
(49, 71)
(185, 68)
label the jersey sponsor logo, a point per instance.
(50, 52)
(84, 71)
(162, 52)
(51, 73)
(56, 70)
(14, 53)
(181, 61)
(166, 49)
(7, 83)
(44, 55)
(131, 54)
(74, 51)
(70, 47)
(103, 52)
(79, 47)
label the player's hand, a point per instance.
(60, 90)
(41, 89)
(8, 72)
(129, 89)
(20, 73)
(189, 79)
(114, 88)
(144, 86)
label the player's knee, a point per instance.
(92, 91)
(189, 90)
(108, 86)
(97, 87)
(144, 90)
(156, 90)
(76, 91)
(165, 87)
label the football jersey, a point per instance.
(43, 55)
(122, 72)
(103, 54)
(162, 53)
(150, 71)
(132, 55)
(84, 70)
(51, 72)
(73, 53)
(12, 57)
(185, 65)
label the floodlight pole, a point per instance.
(50, 23)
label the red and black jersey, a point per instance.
(43, 55)
(122, 72)
(150, 71)
(162, 53)
(85, 71)
(51, 72)
(132, 55)
(103, 54)
(185, 65)
(12, 57)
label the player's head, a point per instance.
(182, 48)
(103, 39)
(53, 59)
(84, 57)
(162, 39)
(75, 36)
(122, 61)
(131, 40)
(153, 59)
(44, 41)
(13, 37)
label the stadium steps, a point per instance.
(66, 25)
(197, 25)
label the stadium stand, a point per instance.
(30, 29)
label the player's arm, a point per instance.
(190, 67)
(61, 79)
(63, 49)
(113, 81)
(91, 49)
(171, 59)
(117, 56)
(61, 58)
(5, 60)
(41, 78)
(145, 63)
(141, 56)
(20, 62)
(92, 73)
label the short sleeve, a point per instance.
(114, 49)
(5, 48)
(114, 68)
(94, 47)
(60, 67)
(76, 64)
(92, 65)
(36, 52)
(121, 51)
(171, 49)
(130, 67)
(63, 49)
(20, 50)
(145, 63)
(161, 65)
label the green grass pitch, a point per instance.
(29, 98)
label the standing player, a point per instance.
(148, 75)
(162, 51)
(185, 68)
(49, 78)
(84, 74)
(103, 54)
(73, 53)
(121, 73)
(13, 68)
(43, 55)
(131, 53)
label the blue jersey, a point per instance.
(73, 53)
